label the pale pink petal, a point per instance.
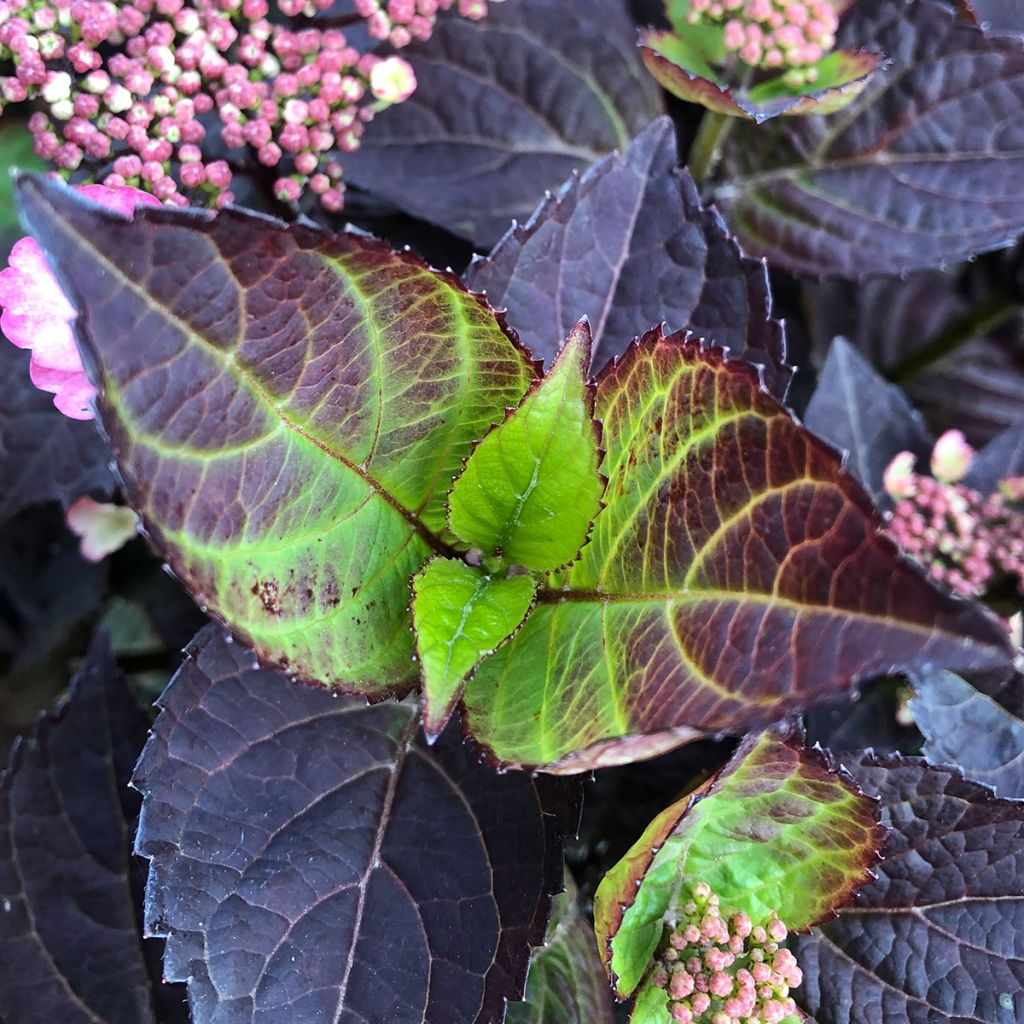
(103, 528)
(37, 315)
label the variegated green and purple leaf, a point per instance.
(779, 830)
(288, 409)
(737, 573)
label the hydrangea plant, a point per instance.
(454, 557)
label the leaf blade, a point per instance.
(687, 610)
(599, 246)
(421, 909)
(69, 941)
(286, 408)
(504, 109)
(460, 615)
(778, 830)
(958, 911)
(531, 487)
(916, 174)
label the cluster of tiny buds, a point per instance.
(788, 35)
(402, 21)
(718, 968)
(965, 539)
(150, 93)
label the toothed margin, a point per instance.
(305, 236)
(560, 207)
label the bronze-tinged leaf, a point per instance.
(939, 936)
(287, 408)
(924, 168)
(841, 77)
(312, 859)
(780, 829)
(737, 574)
(629, 243)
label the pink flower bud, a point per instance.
(951, 457)
(392, 80)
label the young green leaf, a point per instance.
(531, 488)
(780, 829)
(287, 408)
(736, 574)
(460, 615)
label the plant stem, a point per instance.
(707, 145)
(991, 312)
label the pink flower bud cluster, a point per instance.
(965, 539)
(149, 93)
(787, 35)
(401, 21)
(721, 969)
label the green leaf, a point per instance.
(651, 1006)
(460, 615)
(780, 829)
(531, 488)
(287, 408)
(737, 574)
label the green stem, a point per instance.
(991, 312)
(707, 146)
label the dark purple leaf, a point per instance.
(938, 938)
(978, 388)
(855, 409)
(505, 108)
(995, 15)
(629, 245)
(971, 730)
(314, 860)
(44, 456)
(1003, 456)
(926, 167)
(70, 949)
